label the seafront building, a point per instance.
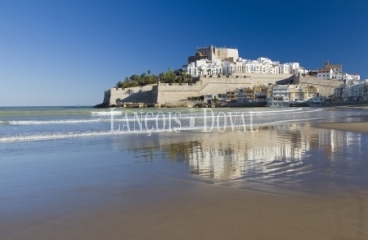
(284, 95)
(247, 95)
(274, 95)
(353, 90)
(278, 96)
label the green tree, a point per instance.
(162, 77)
(166, 77)
(119, 84)
(170, 76)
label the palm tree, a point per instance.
(149, 72)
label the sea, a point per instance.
(54, 155)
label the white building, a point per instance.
(267, 66)
(334, 72)
(324, 74)
(355, 92)
(232, 67)
(212, 60)
(214, 98)
(204, 67)
(302, 70)
(351, 79)
(279, 96)
(285, 69)
(287, 95)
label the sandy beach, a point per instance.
(360, 127)
(204, 212)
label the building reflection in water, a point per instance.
(275, 153)
(284, 149)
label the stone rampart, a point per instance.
(216, 85)
(325, 87)
(165, 92)
(115, 96)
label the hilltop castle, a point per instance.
(219, 70)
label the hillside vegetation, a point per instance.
(147, 78)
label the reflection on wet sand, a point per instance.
(289, 152)
(106, 195)
(271, 151)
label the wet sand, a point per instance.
(203, 212)
(360, 127)
(163, 205)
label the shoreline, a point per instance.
(189, 104)
(358, 127)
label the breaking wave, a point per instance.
(143, 118)
(200, 128)
(51, 122)
(41, 137)
(115, 113)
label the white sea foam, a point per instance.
(109, 113)
(58, 136)
(51, 122)
(284, 121)
(265, 113)
(198, 128)
(143, 117)
(41, 137)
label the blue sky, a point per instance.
(69, 52)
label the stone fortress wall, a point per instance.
(216, 85)
(168, 93)
(325, 87)
(115, 96)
